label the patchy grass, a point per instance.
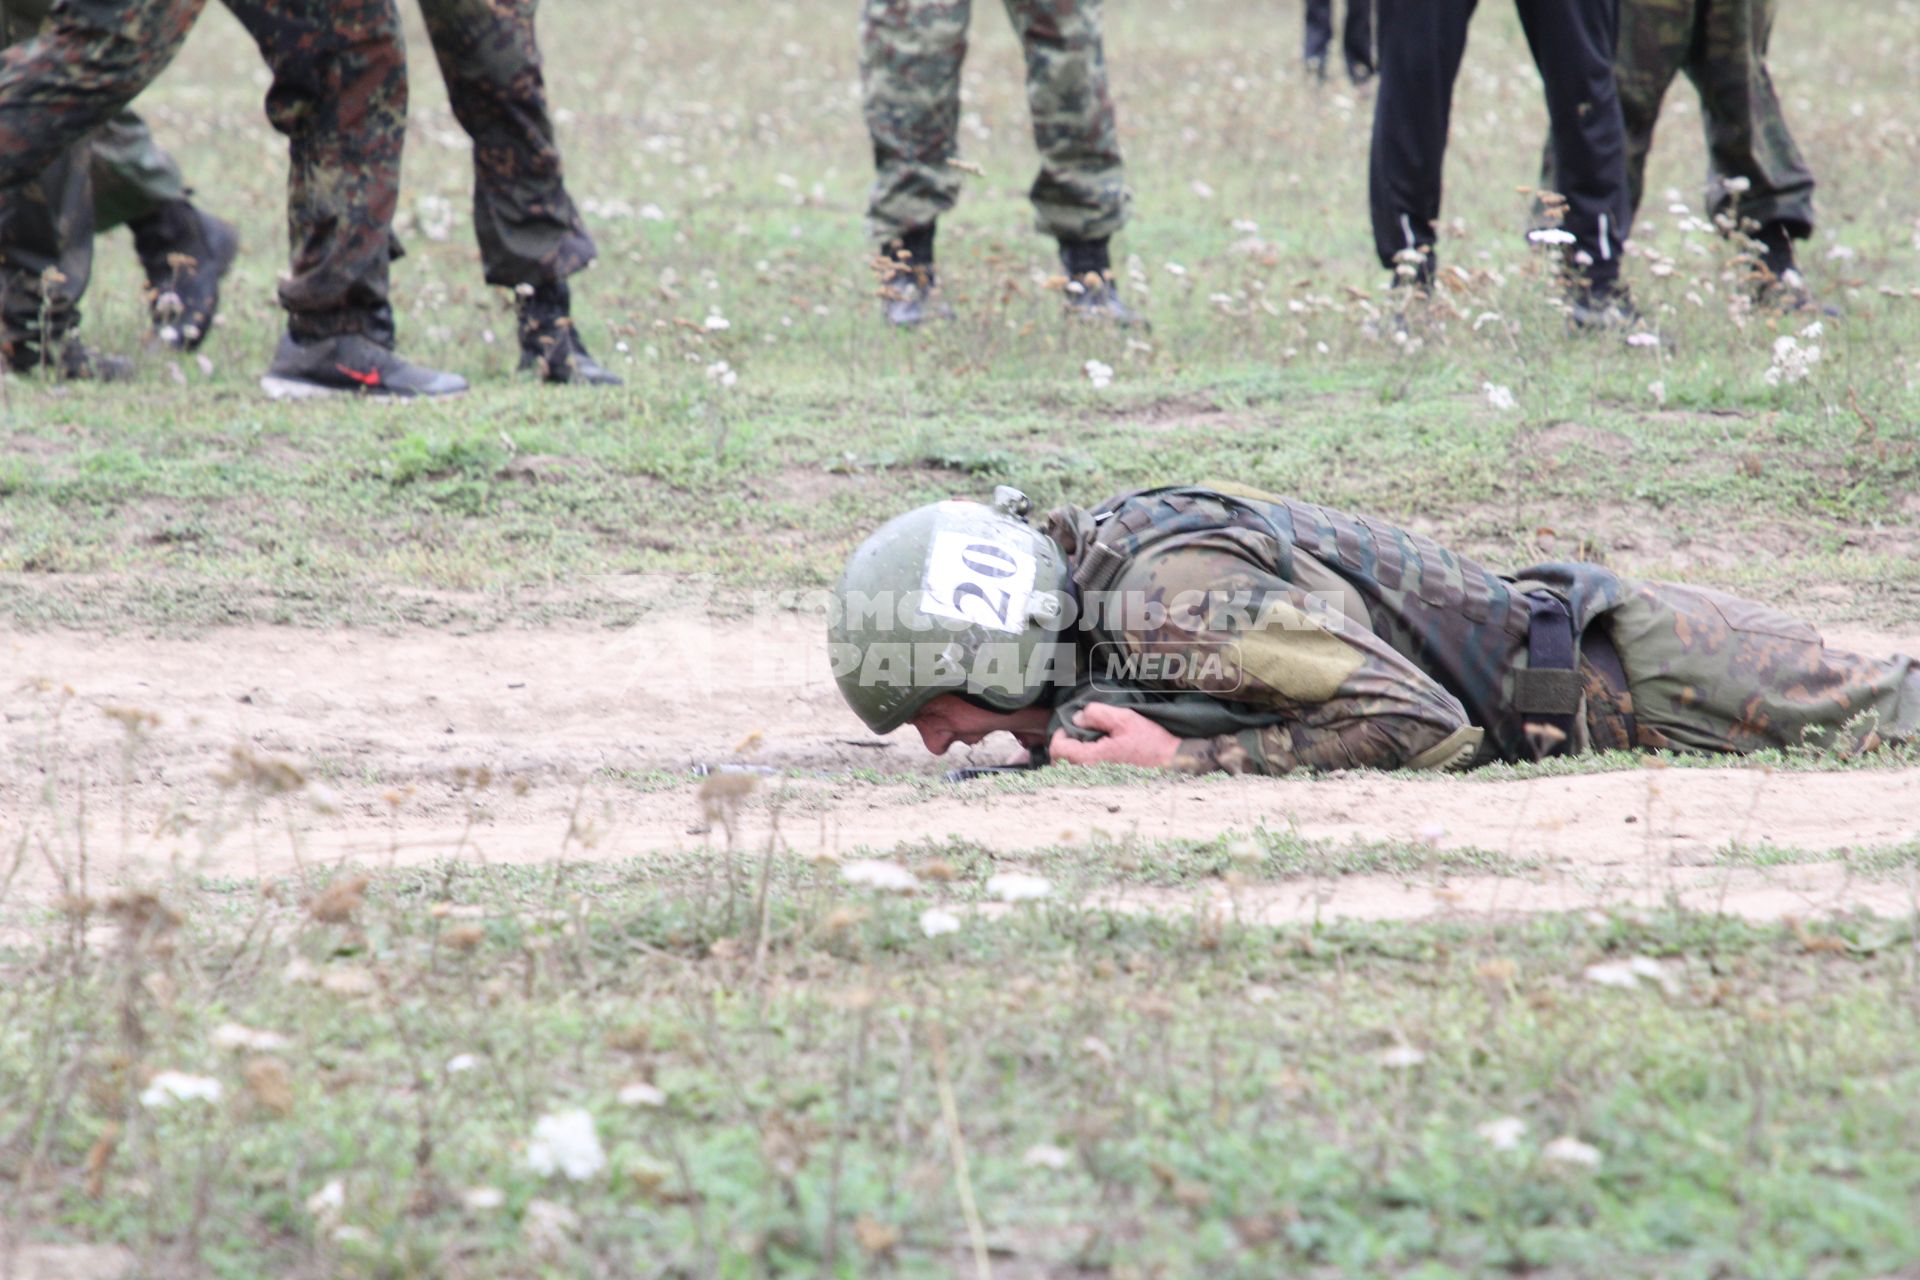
(1134, 1096)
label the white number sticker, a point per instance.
(972, 577)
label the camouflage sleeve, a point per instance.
(1337, 695)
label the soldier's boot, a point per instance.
(909, 286)
(550, 343)
(1603, 306)
(1091, 292)
(185, 252)
(65, 357)
(1778, 284)
(350, 363)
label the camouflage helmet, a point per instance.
(956, 597)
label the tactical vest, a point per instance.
(1460, 623)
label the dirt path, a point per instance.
(599, 729)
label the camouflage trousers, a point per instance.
(1721, 45)
(339, 95)
(527, 226)
(910, 57)
(130, 177)
(1711, 672)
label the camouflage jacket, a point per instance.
(1329, 641)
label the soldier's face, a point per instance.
(949, 719)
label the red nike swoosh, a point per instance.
(371, 378)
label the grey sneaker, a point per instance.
(1094, 296)
(347, 364)
(912, 297)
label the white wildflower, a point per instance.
(716, 323)
(1099, 373)
(723, 373)
(1550, 235)
(326, 1203)
(349, 980)
(1629, 974)
(169, 1087)
(1643, 340)
(1500, 397)
(1017, 886)
(1813, 330)
(231, 1037)
(1503, 1134)
(1571, 1151)
(1202, 190)
(1658, 390)
(461, 1062)
(1737, 186)
(1839, 253)
(642, 1094)
(547, 1225)
(434, 216)
(1246, 226)
(1044, 1155)
(482, 1199)
(1175, 269)
(652, 213)
(1791, 361)
(566, 1142)
(1400, 1057)
(935, 921)
(873, 873)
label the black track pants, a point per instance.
(1421, 43)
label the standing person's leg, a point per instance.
(910, 57)
(1421, 43)
(59, 78)
(1080, 197)
(1357, 41)
(1573, 45)
(340, 96)
(1747, 135)
(1656, 39)
(1318, 37)
(183, 250)
(531, 236)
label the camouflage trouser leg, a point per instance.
(340, 96)
(528, 229)
(910, 56)
(1712, 672)
(56, 87)
(1747, 133)
(1081, 193)
(132, 175)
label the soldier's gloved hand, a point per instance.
(1127, 737)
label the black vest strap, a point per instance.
(1547, 692)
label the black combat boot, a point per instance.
(1601, 306)
(1091, 293)
(909, 289)
(68, 358)
(1778, 284)
(184, 251)
(347, 364)
(550, 344)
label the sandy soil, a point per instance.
(568, 720)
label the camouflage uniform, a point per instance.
(339, 94)
(1722, 47)
(1344, 642)
(130, 178)
(527, 226)
(910, 56)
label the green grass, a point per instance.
(1216, 1092)
(189, 501)
(1217, 1097)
